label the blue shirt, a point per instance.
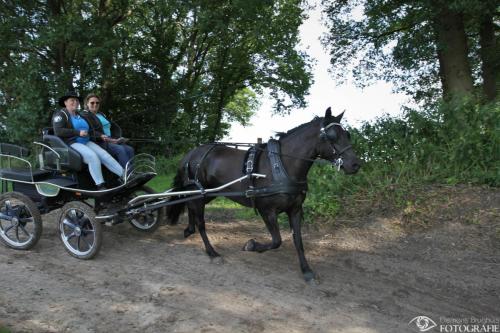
(106, 125)
(80, 124)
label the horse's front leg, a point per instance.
(271, 220)
(295, 220)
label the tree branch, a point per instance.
(391, 32)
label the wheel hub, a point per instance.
(78, 231)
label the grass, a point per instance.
(161, 183)
(227, 207)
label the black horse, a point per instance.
(212, 165)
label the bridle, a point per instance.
(330, 137)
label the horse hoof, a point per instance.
(217, 260)
(250, 245)
(187, 232)
(311, 278)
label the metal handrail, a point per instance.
(48, 147)
(144, 162)
(20, 159)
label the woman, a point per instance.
(101, 131)
(73, 129)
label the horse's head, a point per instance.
(335, 144)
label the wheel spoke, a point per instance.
(73, 217)
(78, 243)
(17, 233)
(69, 224)
(25, 231)
(87, 242)
(69, 236)
(8, 228)
(27, 219)
(85, 222)
(88, 229)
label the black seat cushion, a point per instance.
(24, 174)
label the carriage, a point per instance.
(271, 178)
(62, 180)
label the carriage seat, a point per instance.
(20, 173)
(14, 150)
(71, 159)
(25, 175)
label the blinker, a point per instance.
(328, 132)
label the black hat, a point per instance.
(67, 95)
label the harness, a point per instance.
(195, 180)
(281, 182)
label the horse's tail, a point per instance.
(174, 211)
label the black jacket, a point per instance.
(95, 130)
(63, 127)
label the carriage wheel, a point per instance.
(147, 221)
(20, 221)
(79, 231)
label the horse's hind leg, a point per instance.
(295, 219)
(190, 229)
(271, 220)
(197, 212)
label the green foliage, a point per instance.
(440, 142)
(166, 169)
(168, 166)
(175, 71)
(437, 146)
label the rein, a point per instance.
(337, 162)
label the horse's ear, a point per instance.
(339, 117)
(328, 112)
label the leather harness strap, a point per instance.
(281, 182)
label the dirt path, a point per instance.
(374, 278)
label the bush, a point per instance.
(168, 166)
(452, 143)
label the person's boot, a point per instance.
(102, 187)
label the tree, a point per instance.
(165, 69)
(46, 52)
(425, 47)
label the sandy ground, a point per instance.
(376, 275)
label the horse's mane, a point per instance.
(282, 135)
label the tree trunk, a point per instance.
(455, 72)
(490, 63)
(61, 62)
(221, 102)
(107, 81)
(219, 111)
